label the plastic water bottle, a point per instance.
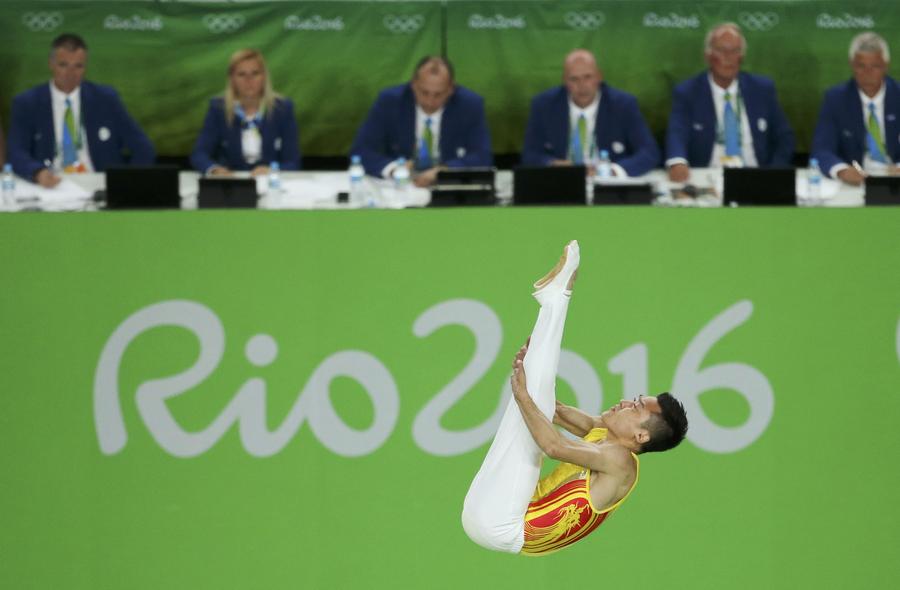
(604, 166)
(274, 178)
(401, 175)
(357, 181)
(9, 186)
(814, 182)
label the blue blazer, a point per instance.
(32, 136)
(692, 124)
(389, 130)
(220, 143)
(620, 129)
(840, 135)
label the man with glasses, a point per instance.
(858, 131)
(726, 117)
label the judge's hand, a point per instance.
(426, 178)
(851, 176)
(679, 173)
(219, 171)
(46, 178)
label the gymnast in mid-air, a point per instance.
(509, 507)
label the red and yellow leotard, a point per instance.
(560, 511)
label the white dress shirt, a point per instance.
(58, 101)
(870, 165)
(590, 116)
(420, 132)
(589, 149)
(748, 156)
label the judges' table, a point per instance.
(321, 190)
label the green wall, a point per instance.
(128, 338)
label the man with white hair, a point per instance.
(726, 117)
(858, 131)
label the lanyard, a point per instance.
(251, 122)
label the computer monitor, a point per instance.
(760, 186)
(624, 193)
(227, 193)
(151, 187)
(464, 187)
(883, 190)
(549, 185)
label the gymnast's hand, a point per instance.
(517, 381)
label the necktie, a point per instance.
(732, 129)
(873, 137)
(69, 151)
(425, 146)
(579, 136)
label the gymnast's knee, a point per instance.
(490, 534)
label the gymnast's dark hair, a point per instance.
(667, 428)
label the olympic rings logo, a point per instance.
(758, 21)
(42, 21)
(403, 24)
(223, 23)
(585, 21)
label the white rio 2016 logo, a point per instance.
(313, 405)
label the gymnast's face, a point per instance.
(627, 417)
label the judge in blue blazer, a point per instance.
(71, 124)
(860, 119)
(571, 123)
(250, 126)
(431, 122)
(696, 137)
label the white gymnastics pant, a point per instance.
(494, 510)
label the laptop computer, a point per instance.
(464, 187)
(151, 187)
(883, 190)
(760, 186)
(549, 185)
(227, 193)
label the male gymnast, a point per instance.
(508, 507)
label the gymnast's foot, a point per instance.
(562, 276)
